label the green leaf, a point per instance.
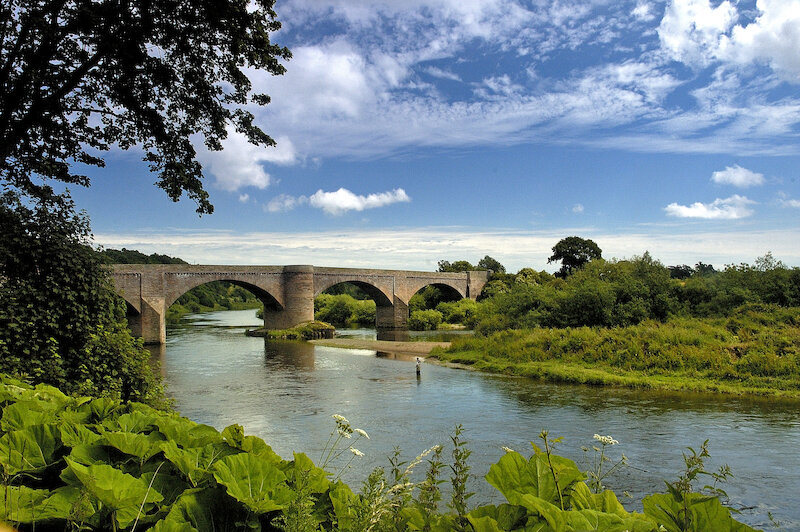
(73, 435)
(703, 513)
(513, 475)
(22, 414)
(506, 516)
(29, 450)
(121, 493)
(195, 463)
(198, 510)
(21, 504)
(582, 498)
(540, 507)
(187, 433)
(344, 504)
(255, 481)
(142, 446)
(134, 421)
(314, 478)
(68, 503)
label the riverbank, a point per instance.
(384, 346)
(751, 352)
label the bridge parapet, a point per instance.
(287, 291)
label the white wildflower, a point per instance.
(340, 418)
(605, 440)
(356, 451)
(508, 449)
(362, 432)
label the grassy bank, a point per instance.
(755, 350)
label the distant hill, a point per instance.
(131, 256)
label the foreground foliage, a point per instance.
(755, 349)
(100, 464)
(61, 322)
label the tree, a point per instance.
(457, 266)
(488, 263)
(60, 321)
(574, 252)
(80, 76)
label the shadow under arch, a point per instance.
(269, 301)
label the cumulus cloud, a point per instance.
(240, 164)
(731, 208)
(343, 200)
(691, 29)
(577, 208)
(643, 11)
(285, 203)
(244, 198)
(738, 177)
(696, 33)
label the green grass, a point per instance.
(754, 351)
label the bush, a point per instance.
(424, 320)
(61, 322)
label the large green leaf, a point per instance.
(187, 433)
(704, 513)
(29, 450)
(505, 516)
(73, 435)
(582, 498)
(134, 421)
(344, 504)
(199, 510)
(302, 470)
(22, 414)
(593, 520)
(140, 445)
(68, 503)
(21, 504)
(513, 475)
(123, 494)
(195, 463)
(540, 507)
(255, 481)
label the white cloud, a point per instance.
(738, 177)
(343, 200)
(422, 248)
(691, 29)
(244, 198)
(240, 164)
(643, 11)
(285, 203)
(731, 208)
(792, 203)
(696, 33)
(442, 74)
(577, 208)
(772, 38)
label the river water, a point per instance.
(286, 393)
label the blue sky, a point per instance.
(414, 131)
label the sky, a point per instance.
(425, 130)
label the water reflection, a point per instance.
(286, 392)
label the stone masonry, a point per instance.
(287, 292)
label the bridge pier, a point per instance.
(393, 316)
(298, 298)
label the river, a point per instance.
(286, 393)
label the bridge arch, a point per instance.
(381, 298)
(183, 283)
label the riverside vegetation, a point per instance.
(81, 463)
(638, 323)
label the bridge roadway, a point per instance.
(287, 292)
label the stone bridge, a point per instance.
(287, 292)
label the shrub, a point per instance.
(424, 320)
